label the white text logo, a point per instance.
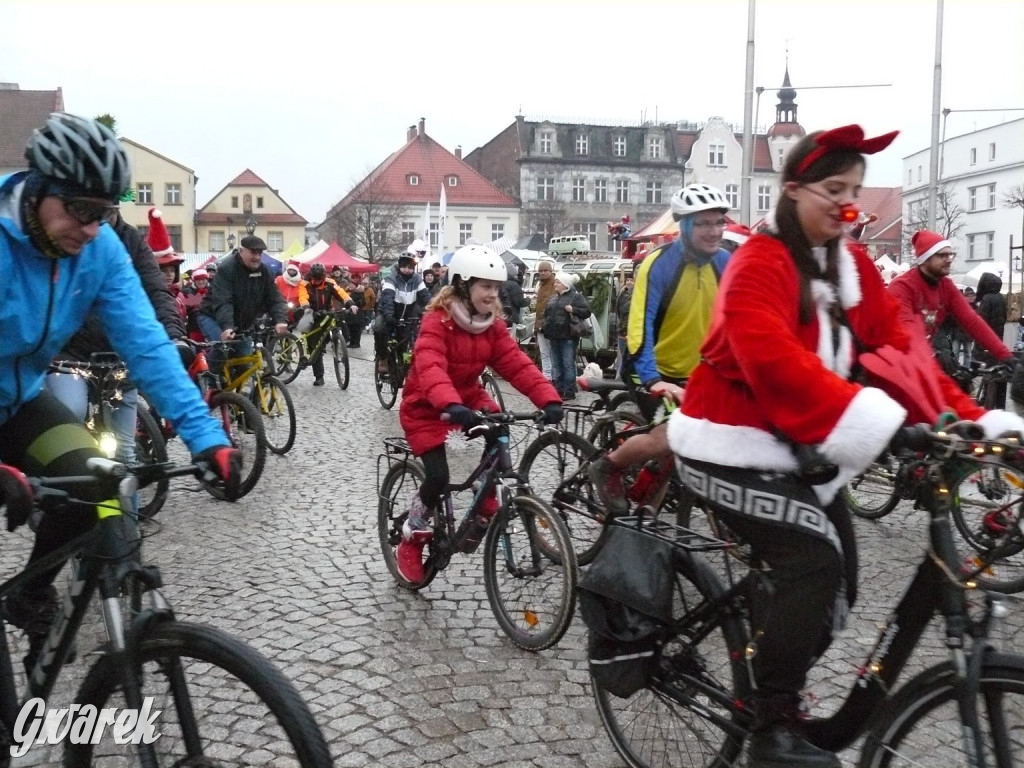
(82, 725)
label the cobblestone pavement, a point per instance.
(401, 679)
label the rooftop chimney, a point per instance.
(458, 152)
(423, 126)
(411, 133)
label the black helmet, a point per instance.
(81, 151)
(317, 272)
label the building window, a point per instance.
(732, 194)
(259, 203)
(144, 193)
(582, 144)
(589, 229)
(545, 142)
(991, 196)
(434, 234)
(655, 145)
(579, 191)
(600, 190)
(234, 201)
(414, 180)
(716, 154)
(653, 192)
(497, 231)
(910, 176)
(275, 241)
(217, 241)
(619, 147)
(453, 181)
(919, 173)
(465, 233)
(981, 247)
(408, 232)
(172, 196)
(782, 154)
(380, 233)
(174, 230)
(546, 188)
(764, 197)
(974, 156)
(622, 191)
(972, 199)
(992, 151)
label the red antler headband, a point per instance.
(847, 137)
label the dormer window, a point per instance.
(453, 181)
(582, 144)
(414, 180)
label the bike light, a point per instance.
(108, 444)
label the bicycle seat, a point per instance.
(597, 386)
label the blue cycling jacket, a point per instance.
(43, 301)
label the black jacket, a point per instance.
(91, 337)
(556, 319)
(239, 297)
(990, 302)
(513, 301)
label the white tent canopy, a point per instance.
(971, 278)
(312, 252)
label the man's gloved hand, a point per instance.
(461, 415)
(552, 413)
(224, 463)
(390, 322)
(298, 312)
(185, 352)
(15, 496)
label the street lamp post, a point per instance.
(231, 241)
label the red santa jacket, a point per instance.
(446, 365)
(763, 372)
(926, 305)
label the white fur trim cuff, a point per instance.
(864, 430)
(996, 423)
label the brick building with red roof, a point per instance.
(385, 211)
(21, 112)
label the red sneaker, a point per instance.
(409, 554)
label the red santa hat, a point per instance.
(927, 243)
(158, 239)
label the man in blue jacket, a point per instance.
(59, 262)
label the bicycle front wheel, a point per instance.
(274, 401)
(215, 702)
(921, 725)
(687, 715)
(986, 512)
(876, 492)
(150, 448)
(490, 383)
(530, 573)
(386, 384)
(286, 358)
(339, 351)
(243, 424)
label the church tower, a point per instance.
(786, 131)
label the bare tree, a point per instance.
(1015, 197)
(548, 218)
(369, 223)
(949, 216)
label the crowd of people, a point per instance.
(755, 338)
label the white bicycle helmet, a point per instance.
(695, 198)
(476, 261)
(81, 151)
(416, 248)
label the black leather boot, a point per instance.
(777, 741)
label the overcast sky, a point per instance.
(311, 95)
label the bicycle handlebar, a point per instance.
(960, 440)
(503, 417)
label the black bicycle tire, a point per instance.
(935, 686)
(869, 513)
(214, 647)
(255, 423)
(383, 385)
(605, 428)
(273, 384)
(289, 371)
(338, 343)
(146, 424)
(530, 512)
(389, 520)
(693, 569)
(490, 383)
(581, 528)
(623, 399)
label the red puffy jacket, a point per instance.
(446, 365)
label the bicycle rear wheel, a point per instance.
(243, 424)
(386, 384)
(987, 513)
(688, 714)
(150, 448)
(401, 482)
(286, 357)
(216, 702)
(274, 401)
(339, 351)
(530, 573)
(921, 725)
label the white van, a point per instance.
(569, 245)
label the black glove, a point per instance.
(461, 415)
(298, 312)
(224, 463)
(552, 413)
(390, 322)
(185, 352)
(15, 496)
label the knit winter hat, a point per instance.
(157, 237)
(927, 243)
(565, 279)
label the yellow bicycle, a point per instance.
(247, 376)
(292, 353)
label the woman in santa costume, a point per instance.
(796, 307)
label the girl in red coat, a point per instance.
(458, 338)
(796, 306)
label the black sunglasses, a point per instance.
(86, 212)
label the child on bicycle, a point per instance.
(459, 338)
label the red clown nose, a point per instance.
(849, 213)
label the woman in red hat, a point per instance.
(795, 309)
